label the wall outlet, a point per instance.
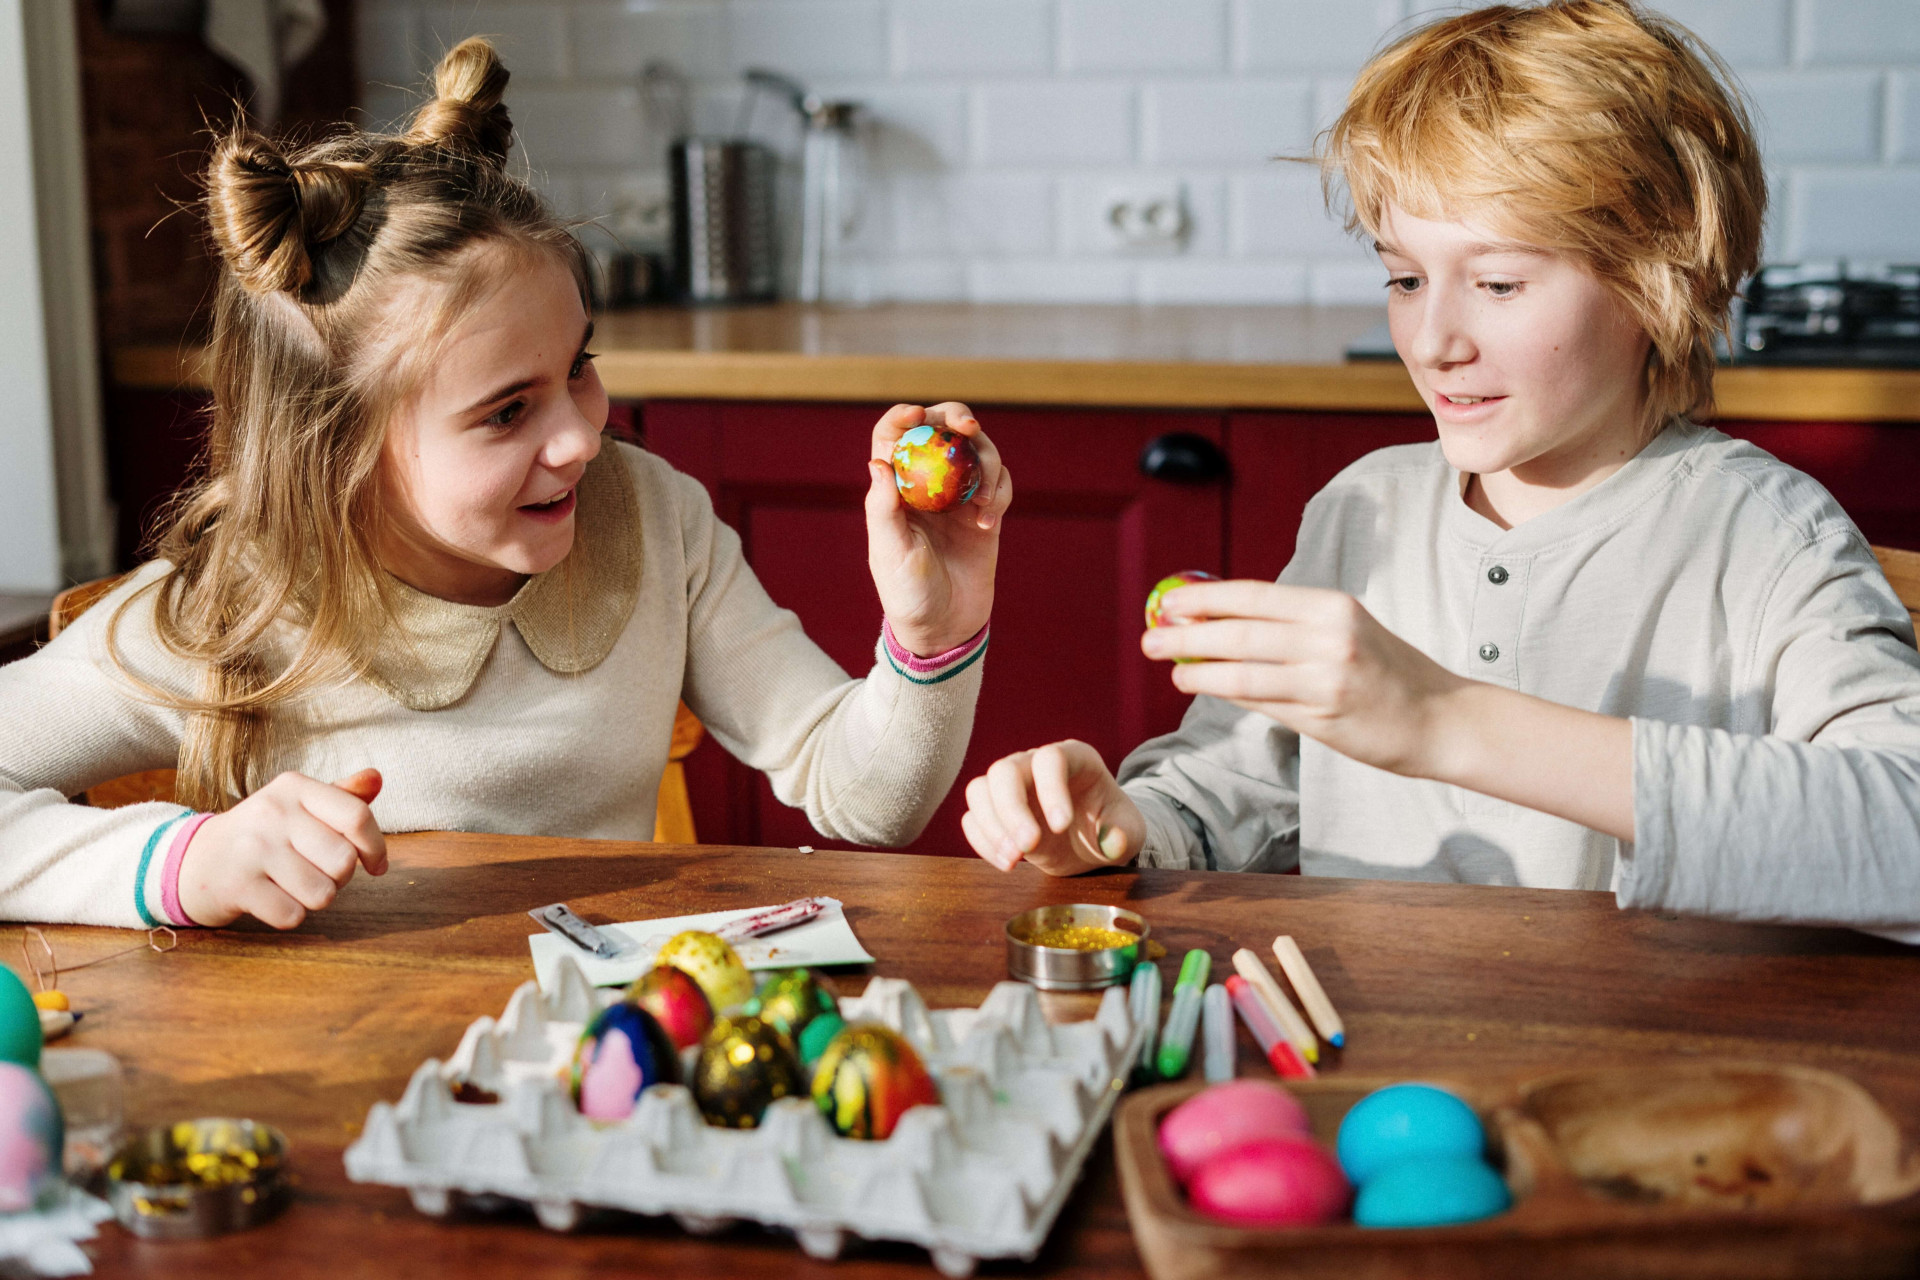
(1145, 219)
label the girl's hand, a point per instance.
(1089, 821)
(283, 851)
(934, 571)
(1316, 661)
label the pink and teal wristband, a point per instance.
(941, 666)
(182, 826)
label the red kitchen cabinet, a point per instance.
(1280, 460)
(1088, 535)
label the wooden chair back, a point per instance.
(1903, 572)
(673, 810)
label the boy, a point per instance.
(1578, 642)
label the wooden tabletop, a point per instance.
(307, 1030)
(1202, 357)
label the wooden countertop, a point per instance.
(1188, 357)
(309, 1029)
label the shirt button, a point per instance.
(1496, 575)
(1489, 653)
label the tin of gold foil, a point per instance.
(1075, 947)
(198, 1178)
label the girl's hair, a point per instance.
(309, 358)
(1588, 127)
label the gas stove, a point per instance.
(1830, 314)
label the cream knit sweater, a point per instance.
(549, 715)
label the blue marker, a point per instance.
(1143, 1002)
(1217, 1032)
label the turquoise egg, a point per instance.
(1402, 1120)
(19, 1022)
(1431, 1191)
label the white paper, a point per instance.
(825, 939)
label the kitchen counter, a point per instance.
(1156, 357)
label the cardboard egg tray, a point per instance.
(983, 1175)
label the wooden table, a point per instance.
(307, 1030)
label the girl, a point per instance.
(1580, 641)
(414, 551)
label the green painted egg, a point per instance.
(676, 1002)
(712, 963)
(818, 1035)
(745, 1064)
(19, 1022)
(868, 1078)
(791, 999)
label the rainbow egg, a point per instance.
(676, 1002)
(622, 1052)
(935, 469)
(791, 999)
(746, 1063)
(712, 963)
(867, 1079)
(1156, 616)
(32, 1136)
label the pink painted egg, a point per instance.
(1225, 1116)
(676, 1003)
(1272, 1182)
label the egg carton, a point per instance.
(982, 1175)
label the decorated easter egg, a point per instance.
(676, 1002)
(1289, 1181)
(712, 963)
(1156, 615)
(19, 1022)
(935, 469)
(791, 999)
(621, 1052)
(32, 1136)
(817, 1035)
(745, 1064)
(1402, 1120)
(868, 1078)
(1226, 1116)
(1431, 1191)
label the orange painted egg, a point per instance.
(935, 469)
(867, 1079)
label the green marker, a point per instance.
(1184, 1018)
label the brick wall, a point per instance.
(149, 102)
(1003, 127)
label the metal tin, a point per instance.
(199, 1178)
(1066, 968)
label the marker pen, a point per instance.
(1176, 1043)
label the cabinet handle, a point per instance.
(1182, 457)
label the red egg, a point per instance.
(1272, 1182)
(1225, 1116)
(676, 1003)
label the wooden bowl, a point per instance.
(1695, 1169)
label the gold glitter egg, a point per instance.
(745, 1064)
(713, 964)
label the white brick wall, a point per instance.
(999, 129)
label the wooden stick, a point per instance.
(1278, 1005)
(1294, 962)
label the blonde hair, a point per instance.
(1592, 128)
(307, 366)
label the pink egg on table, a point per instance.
(1225, 1116)
(1272, 1182)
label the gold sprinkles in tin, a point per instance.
(1080, 937)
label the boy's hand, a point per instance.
(1316, 661)
(283, 851)
(934, 571)
(1088, 821)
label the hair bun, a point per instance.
(467, 112)
(269, 213)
